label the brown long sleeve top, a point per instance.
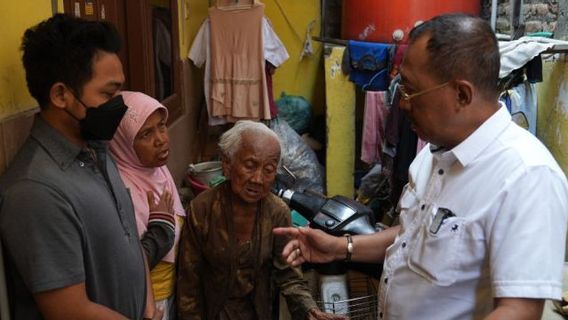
(208, 260)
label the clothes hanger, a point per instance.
(237, 5)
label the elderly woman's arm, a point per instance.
(292, 284)
(294, 288)
(290, 279)
(189, 288)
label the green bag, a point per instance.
(296, 110)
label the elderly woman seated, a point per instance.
(230, 262)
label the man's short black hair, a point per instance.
(62, 49)
(462, 47)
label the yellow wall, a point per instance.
(340, 122)
(552, 118)
(295, 76)
(16, 17)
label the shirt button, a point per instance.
(81, 164)
(386, 280)
(423, 206)
(404, 244)
(441, 171)
(380, 315)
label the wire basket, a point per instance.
(361, 303)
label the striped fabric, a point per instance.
(162, 217)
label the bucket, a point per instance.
(205, 172)
(379, 20)
(196, 186)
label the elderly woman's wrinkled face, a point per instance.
(253, 168)
(152, 143)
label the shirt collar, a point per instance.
(59, 148)
(482, 137)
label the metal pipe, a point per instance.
(516, 14)
(493, 14)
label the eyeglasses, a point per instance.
(406, 97)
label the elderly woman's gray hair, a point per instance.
(230, 141)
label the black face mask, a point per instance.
(101, 123)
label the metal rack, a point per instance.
(362, 301)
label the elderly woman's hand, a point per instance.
(315, 314)
(165, 204)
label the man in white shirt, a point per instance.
(483, 217)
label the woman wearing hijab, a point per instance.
(141, 149)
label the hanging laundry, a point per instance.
(400, 145)
(524, 106)
(274, 53)
(515, 54)
(269, 70)
(375, 115)
(161, 36)
(533, 70)
(238, 82)
(397, 60)
(369, 64)
(505, 98)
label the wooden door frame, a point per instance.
(133, 19)
(141, 53)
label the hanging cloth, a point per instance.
(373, 127)
(274, 52)
(238, 81)
(369, 65)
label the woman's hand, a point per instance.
(158, 314)
(165, 203)
(309, 245)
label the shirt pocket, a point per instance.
(435, 256)
(407, 202)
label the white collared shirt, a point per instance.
(505, 235)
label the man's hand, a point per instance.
(72, 302)
(315, 314)
(309, 245)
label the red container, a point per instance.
(377, 20)
(196, 186)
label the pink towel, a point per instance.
(373, 126)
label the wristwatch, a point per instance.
(349, 247)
